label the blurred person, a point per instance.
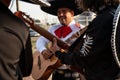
(95, 53)
(15, 45)
(65, 11)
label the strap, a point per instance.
(80, 39)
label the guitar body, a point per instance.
(50, 69)
(40, 64)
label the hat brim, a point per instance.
(61, 3)
(28, 1)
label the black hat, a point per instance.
(55, 4)
(38, 2)
(29, 1)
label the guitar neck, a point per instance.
(42, 31)
(76, 35)
(49, 36)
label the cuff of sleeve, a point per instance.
(42, 49)
(57, 53)
(60, 55)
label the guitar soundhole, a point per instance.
(39, 62)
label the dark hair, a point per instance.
(95, 4)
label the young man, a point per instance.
(15, 45)
(95, 54)
(65, 11)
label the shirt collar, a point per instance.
(71, 23)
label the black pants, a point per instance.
(65, 75)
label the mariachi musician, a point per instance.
(65, 10)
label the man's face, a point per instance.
(65, 15)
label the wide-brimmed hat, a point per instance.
(55, 4)
(29, 1)
(38, 2)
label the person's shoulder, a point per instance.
(79, 25)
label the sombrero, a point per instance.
(115, 39)
(55, 4)
(38, 2)
(29, 1)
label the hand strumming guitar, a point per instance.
(54, 47)
(47, 54)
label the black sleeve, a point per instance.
(26, 59)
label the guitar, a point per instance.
(40, 65)
(42, 68)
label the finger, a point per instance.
(47, 54)
(54, 41)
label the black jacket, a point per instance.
(15, 46)
(95, 55)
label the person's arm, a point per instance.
(41, 43)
